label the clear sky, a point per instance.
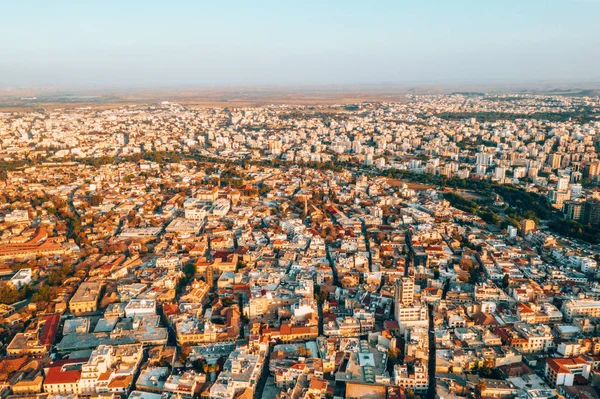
(132, 43)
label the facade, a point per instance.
(85, 299)
(417, 380)
(562, 371)
(581, 308)
(405, 291)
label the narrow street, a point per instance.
(431, 391)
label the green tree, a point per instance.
(189, 270)
(505, 281)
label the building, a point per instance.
(591, 212)
(21, 278)
(500, 173)
(526, 226)
(184, 226)
(562, 371)
(581, 308)
(110, 369)
(411, 316)
(17, 216)
(554, 160)
(415, 380)
(573, 209)
(404, 293)
(484, 158)
(63, 378)
(38, 245)
(85, 299)
(498, 388)
(242, 372)
(137, 307)
(37, 340)
(196, 213)
(593, 170)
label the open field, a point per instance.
(469, 194)
(15, 101)
(19, 99)
(411, 185)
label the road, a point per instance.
(431, 391)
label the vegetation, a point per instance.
(9, 294)
(572, 228)
(461, 203)
(582, 116)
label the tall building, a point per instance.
(500, 172)
(405, 291)
(356, 146)
(573, 209)
(557, 198)
(591, 212)
(526, 226)
(593, 170)
(532, 173)
(554, 161)
(484, 158)
(369, 156)
(411, 316)
(563, 183)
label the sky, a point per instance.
(146, 44)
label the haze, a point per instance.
(155, 44)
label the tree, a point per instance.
(480, 388)
(485, 370)
(303, 352)
(9, 294)
(474, 276)
(96, 199)
(505, 281)
(466, 263)
(43, 294)
(393, 355)
(189, 270)
(184, 353)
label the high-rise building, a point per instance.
(500, 172)
(593, 170)
(356, 146)
(554, 161)
(526, 226)
(573, 209)
(484, 158)
(591, 212)
(405, 291)
(563, 183)
(532, 172)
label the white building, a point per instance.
(140, 307)
(17, 216)
(21, 278)
(581, 308)
(242, 371)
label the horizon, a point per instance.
(150, 45)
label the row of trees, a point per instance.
(582, 116)
(572, 228)
(9, 294)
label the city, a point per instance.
(317, 199)
(445, 246)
